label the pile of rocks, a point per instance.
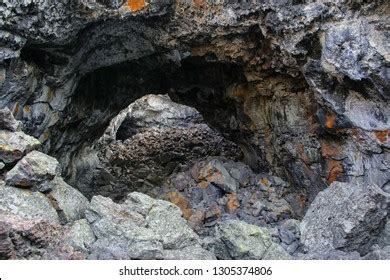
(217, 209)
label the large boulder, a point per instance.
(80, 236)
(69, 201)
(140, 228)
(22, 238)
(32, 170)
(14, 145)
(249, 242)
(7, 120)
(26, 204)
(345, 216)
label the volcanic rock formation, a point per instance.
(289, 122)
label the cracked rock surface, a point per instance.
(270, 125)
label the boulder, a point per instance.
(215, 173)
(81, 236)
(248, 242)
(139, 228)
(32, 170)
(7, 120)
(345, 216)
(26, 204)
(21, 238)
(14, 145)
(69, 201)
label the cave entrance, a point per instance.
(145, 144)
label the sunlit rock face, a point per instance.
(301, 86)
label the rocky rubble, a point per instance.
(285, 157)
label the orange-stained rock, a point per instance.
(181, 202)
(196, 220)
(329, 149)
(213, 213)
(136, 5)
(203, 184)
(382, 136)
(233, 203)
(334, 169)
(330, 121)
(199, 3)
(265, 182)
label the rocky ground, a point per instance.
(206, 207)
(283, 151)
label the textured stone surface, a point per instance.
(284, 79)
(301, 87)
(245, 241)
(70, 201)
(345, 217)
(7, 120)
(26, 204)
(34, 239)
(32, 170)
(172, 137)
(14, 145)
(81, 236)
(140, 228)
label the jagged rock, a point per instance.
(215, 173)
(14, 145)
(33, 169)
(345, 216)
(384, 238)
(26, 204)
(22, 238)
(7, 120)
(245, 241)
(69, 201)
(378, 254)
(289, 234)
(140, 228)
(81, 236)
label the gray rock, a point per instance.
(26, 204)
(214, 172)
(35, 168)
(81, 236)
(14, 145)
(7, 120)
(379, 254)
(329, 255)
(140, 228)
(69, 200)
(384, 237)
(165, 219)
(245, 241)
(344, 216)
(188, 253)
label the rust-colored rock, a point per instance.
(136, 5)
(233, 203)
(382, 136)
(330, 122)
(181, 202)
(335, 170)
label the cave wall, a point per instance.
(301, 86)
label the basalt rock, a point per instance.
(300, 86)
(297, 90)
(346, 217)
(140, 228)
(34, 169)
